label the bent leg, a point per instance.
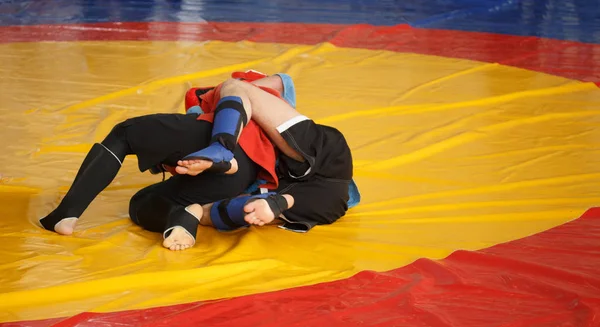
(226, 215)
(149, 208)
(240, 102)
(155, 139)
(242, 211)
(229, 120)
(167, 207)
(317, 202)
(281, 83)
(267, 110)
(264, 211)
(156, 213)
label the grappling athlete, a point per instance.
(235, 124)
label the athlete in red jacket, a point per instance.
(160, 141)
(252, 138)
(314, 169)
(315, 165)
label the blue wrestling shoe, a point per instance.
(289, 90)
(195, 110)
(354, 195)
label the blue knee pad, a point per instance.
(230, 117)
(228, 215)
(214, 152)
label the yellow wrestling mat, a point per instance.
(449, 154)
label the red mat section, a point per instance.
(545, 280)
(562, 58)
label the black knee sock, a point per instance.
(97, 171)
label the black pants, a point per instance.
(320, 184)
(167, 138)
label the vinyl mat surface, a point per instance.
(474, 130)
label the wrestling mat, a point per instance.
(473, 125)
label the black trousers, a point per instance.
(167, 138)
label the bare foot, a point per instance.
(65, 226)
(197, 166)
(179, 239)
(258, 213)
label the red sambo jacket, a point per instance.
(253, 139)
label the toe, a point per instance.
(66, 226)
(249, 218)
(181, 170)
(250, 207)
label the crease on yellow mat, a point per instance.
(427, 202)
(446, 78)
(424, 137)
(471, 136)
(155, 84)
(553, 148)
(181, 278)
(159, 83)
(528, 163)
(246, 284)
(117, 116)
(18, 189)
(502, 217)
(358, 173)
(564, 180)
(40, 80)
(471, 205)
(410, 109)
